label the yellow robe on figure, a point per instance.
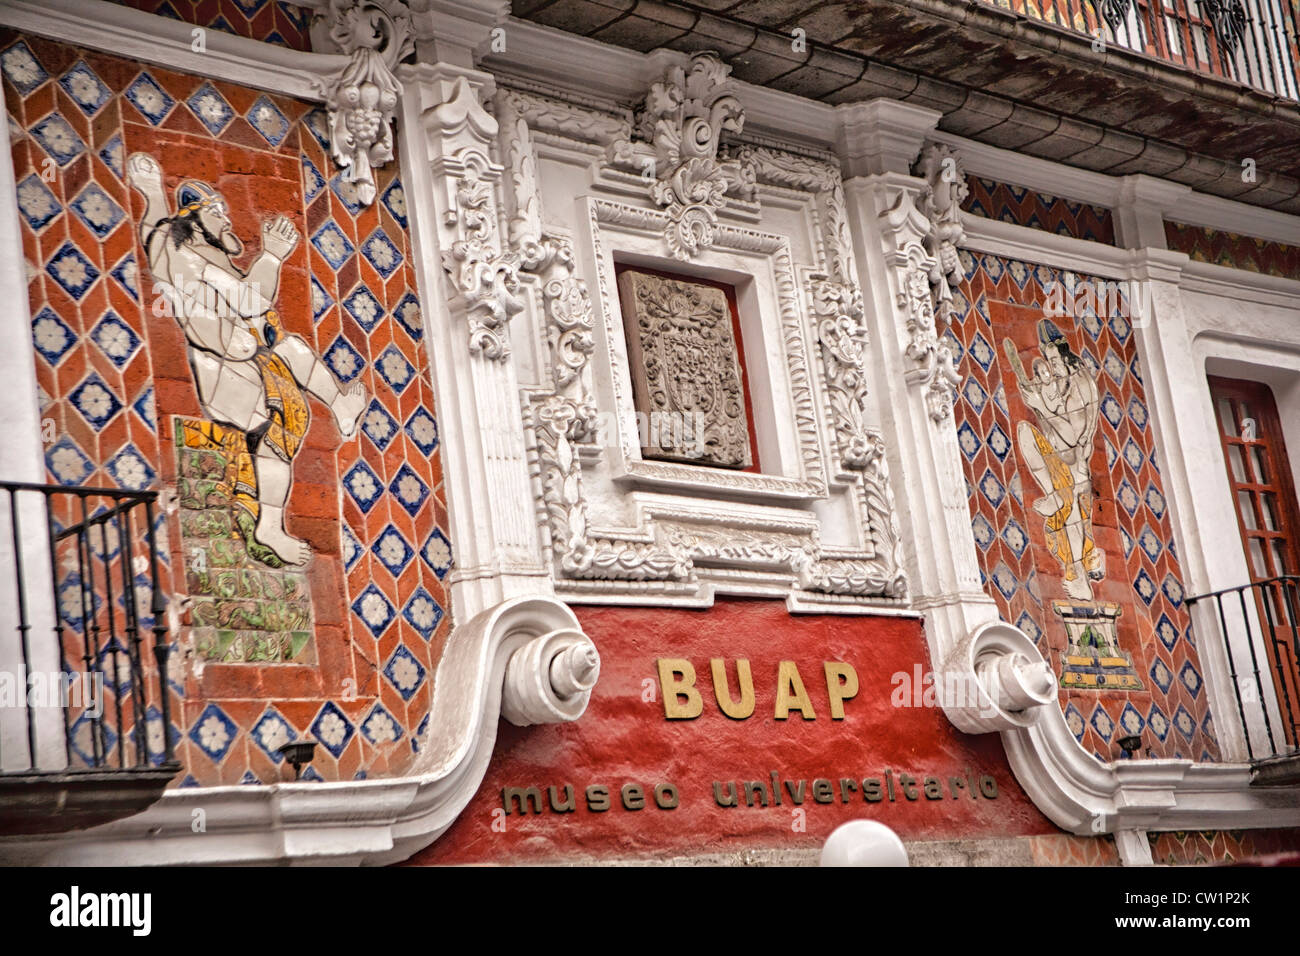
(288, 424)
(1063, 484)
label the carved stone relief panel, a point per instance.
(686, 371)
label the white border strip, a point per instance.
(132, 33)
(1045, 248)
(1040, 175)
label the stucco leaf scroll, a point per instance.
(362, 97)
(940, 202)
(684, 118)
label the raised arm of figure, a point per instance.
(1013, 357)
(279, 236)
(144, 173)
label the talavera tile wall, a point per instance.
(344, 650)
(1234, 251)
(1025, 207)
(270, 21)
(1002, 299)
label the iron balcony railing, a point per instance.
(1260, 624)
(1254, 42)
(83, 639)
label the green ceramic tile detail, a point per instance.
(243, 610)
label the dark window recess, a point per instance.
(687, 363)
(1263, 495)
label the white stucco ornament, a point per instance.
(684, 117)
(995, 679)
(863, 843)
(362, 98)
(940, 202)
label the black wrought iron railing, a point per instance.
(83, 632)
(1260, 624)
(1255, 42)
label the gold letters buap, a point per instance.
(683, 701)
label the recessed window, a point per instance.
(687, 363)
(1268, 517)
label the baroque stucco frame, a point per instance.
(768, 544)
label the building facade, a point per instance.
(623, 430)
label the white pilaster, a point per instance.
(22, 459)
(1195, 484)
(469, 287)
(879, 141)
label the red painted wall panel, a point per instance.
(625, 739)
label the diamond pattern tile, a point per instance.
(36, 203)
(392, 550)
(95, 400)
(210, 108)
(423, 612)
(147, 96)
(265, 117)
(330, 241)
(21, 68)
(1001, 300)
(58, 139)
(404, 672)
(72, 270)
(213, 733)
(333, 729)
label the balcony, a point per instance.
(1184, 90)
(1259, 625)
(84, 710)
(1251, 41)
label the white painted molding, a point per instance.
(934, 517)
(1084, 796)
(21, 454)
(1139, 218)
(1068, 182)
(1215, 212)
(882, 136)
(1040, 175)
(995, 679)
(537, 53)
(1094, 258)
(485, 472)
(1038, 246)
(526, 660)
(587, 67)
(22, 459)
(123, 31)
(1241, 284)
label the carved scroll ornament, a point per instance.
(684, 117)
(361, 99)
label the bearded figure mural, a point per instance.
(252, 377)
(1063, 396)
(1057, 450)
